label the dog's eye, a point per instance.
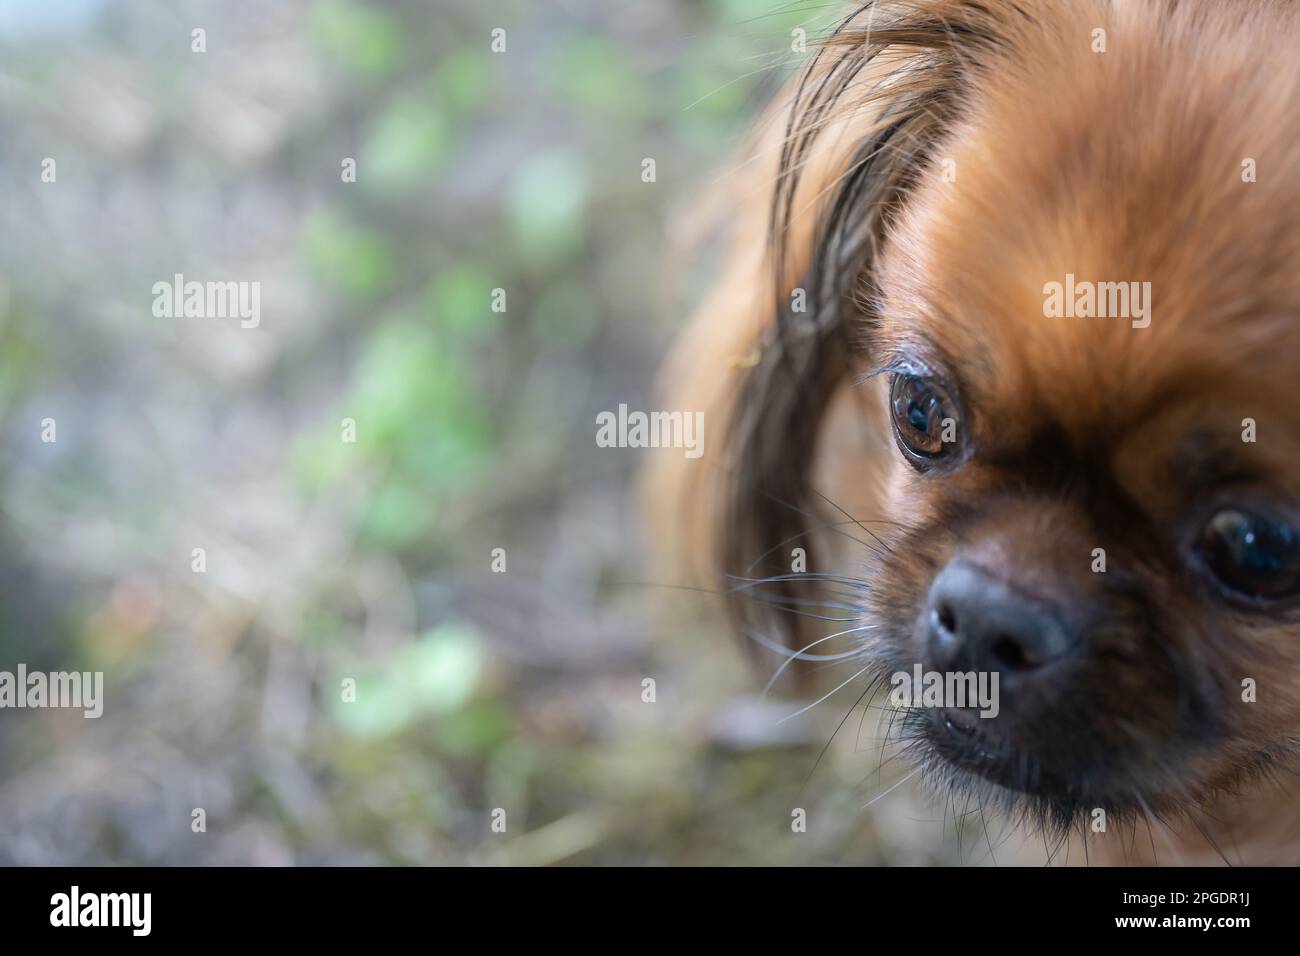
(1254, 556)
(924, 417)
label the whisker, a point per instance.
(1163, 829)
(874, 536)
(824, 526)
(867, 692)
(881, 796)
(802, 655)
(804, 710)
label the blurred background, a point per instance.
(371, 561)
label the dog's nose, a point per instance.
(978, 623)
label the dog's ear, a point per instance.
(791, 318)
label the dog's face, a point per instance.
(1052, 249)
(1105, 510)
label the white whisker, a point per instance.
(801, 655)
(891, 789)
(804, 710)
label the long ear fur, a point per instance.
(866, 114)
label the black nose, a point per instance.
(978, 623)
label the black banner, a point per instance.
(330, 906)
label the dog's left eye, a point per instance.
(1254, 556)
(924, 418)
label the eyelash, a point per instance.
(899, 366)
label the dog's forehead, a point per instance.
(1124, 229)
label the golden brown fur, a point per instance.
(1083, 433)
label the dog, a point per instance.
(1003, 352)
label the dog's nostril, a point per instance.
(947, 620)
(1010, 653)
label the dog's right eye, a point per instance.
(924, 418)
(1251, 555)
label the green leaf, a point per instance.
(366, 40)
(461, 80)
(547, 201)
(431, 677)
(405, 146)
(359, 261)
(460, 299)
(594, 74)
